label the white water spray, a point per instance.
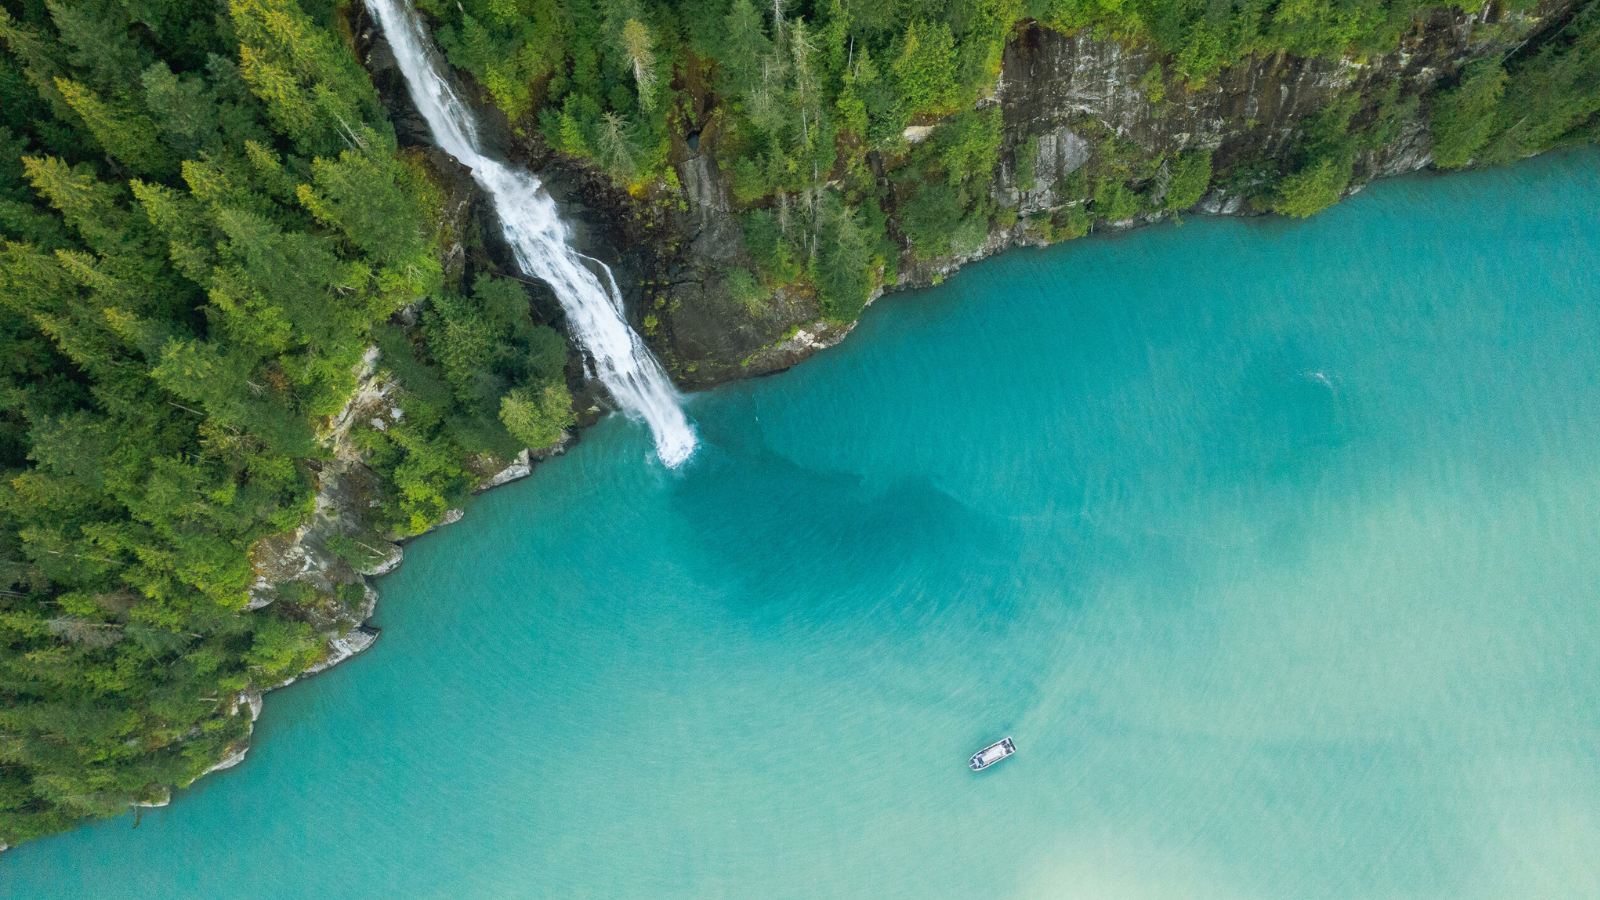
(538, 238)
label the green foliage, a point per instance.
(1068, 224)
(1463, 118)
(1191, 176)
(422, 468)
(744, 47)
(280, 647)
(842, 271)
(1549, 98)
(931, 217)
(1323, 164)
(360, 551)
(1026, 154)
(794, 100)
(313, 89)
(485, 344)
(747, 291)
(204, 224)
(924, 68)
(1313, 188)
(126, 132)
(968, 143)
(537, 418)
(1115, 201)
(750, 181)
(765, 238)
(970, 235)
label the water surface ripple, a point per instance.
(1274, 545)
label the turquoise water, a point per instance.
(1275, 546)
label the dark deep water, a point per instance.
(1274, 545)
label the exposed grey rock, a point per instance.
(520, 468)
(343, 647)
(393, 556)
(252, 700)
(1412, 150)
(704, 185)
(233, 758)
(1062, 90)
(1061, 152)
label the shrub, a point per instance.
(931, 218)
(970, 235)
(764, 237)
(1191, 175)
(968, 143)
(537, 417)
(747, 291)
(1313, 188)
(1114, 201)
(1463, 118)
(1025, 162)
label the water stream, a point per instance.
(538, 238)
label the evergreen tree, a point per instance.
(636, 43)
(744, 49)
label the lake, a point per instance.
(1275, 547)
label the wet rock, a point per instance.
(522, 467)
(704, 186)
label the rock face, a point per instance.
(1052, 81)
(1063, 98)
(1059, 95)
(707, 334)
(1063, 95)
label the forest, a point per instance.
(206, 220)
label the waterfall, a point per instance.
(538, 239)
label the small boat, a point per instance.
(992, 754)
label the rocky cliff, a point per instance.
(1076, 102)
(1069, 104)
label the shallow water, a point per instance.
(1274, 545)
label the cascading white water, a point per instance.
(538, 238)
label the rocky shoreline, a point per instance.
(1073, 100)
(1064, 97)
(303, 556)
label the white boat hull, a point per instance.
(992, 754)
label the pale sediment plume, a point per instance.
(538, 238)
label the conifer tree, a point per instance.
(925, 68)
(745, 47)
(129, 135)
(636, 43)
